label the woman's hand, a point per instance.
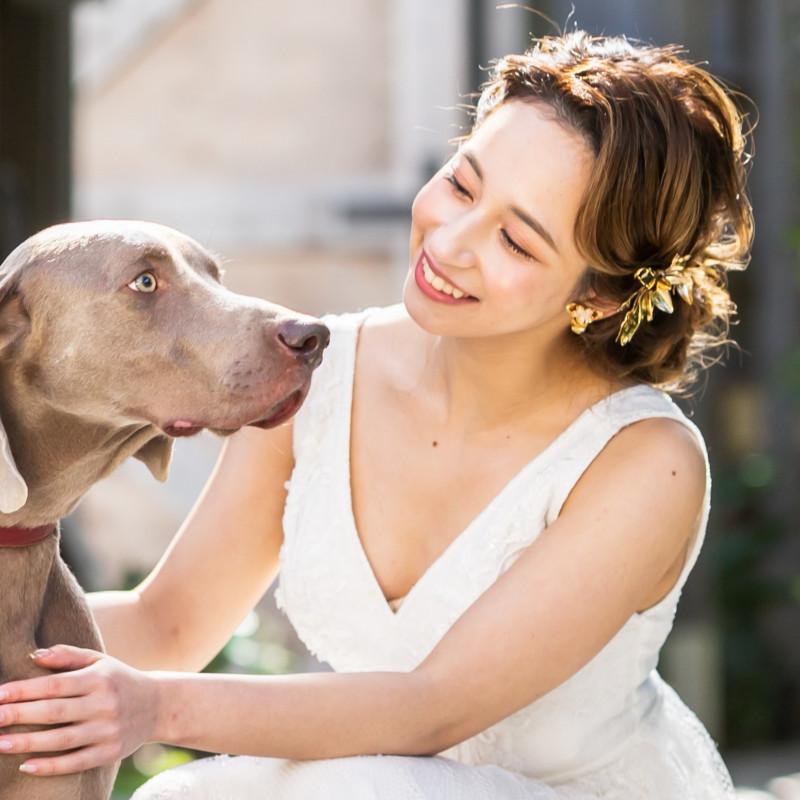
(102, 710)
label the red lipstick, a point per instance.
(436, 286)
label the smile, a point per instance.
(436, 287)
(438, 282)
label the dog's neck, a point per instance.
(57, 479)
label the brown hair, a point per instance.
(668, 180)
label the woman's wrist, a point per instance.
(165, 693)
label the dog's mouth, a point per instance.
(182, 427)
(284, 411)
(278, 414)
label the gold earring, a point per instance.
(581, 316)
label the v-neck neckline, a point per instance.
(464, 535)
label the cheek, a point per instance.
(528, 290)
(520, 282)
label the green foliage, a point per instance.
(752, 582)
(746, 591)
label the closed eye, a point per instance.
(458, 187)
(512, 245)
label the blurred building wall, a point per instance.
(288, 138)
(282, 136)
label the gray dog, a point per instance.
(115, 337)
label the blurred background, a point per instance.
(290, 138)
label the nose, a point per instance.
(453, 243)
(305, 339)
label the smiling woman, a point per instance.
(665, 187)
(487, 507)
(482, 210)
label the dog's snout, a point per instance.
(306, 340)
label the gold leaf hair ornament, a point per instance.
(656, 293)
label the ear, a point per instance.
(604, 307)
(13, 489)
(15, 323)
(156, 455)
(14, 326)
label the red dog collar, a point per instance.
(23, 537)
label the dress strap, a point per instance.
(594, 429)
(583, 441)
(328, 400)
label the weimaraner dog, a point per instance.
(115, 337)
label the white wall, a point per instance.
(260, 123)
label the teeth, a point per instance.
(438, 282)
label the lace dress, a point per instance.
(614, 730)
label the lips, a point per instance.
(278, 414)
(182, 427)
(283, 411)
(433, 284)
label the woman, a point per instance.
(493, 505)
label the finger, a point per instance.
(59, 684)
(55, 711)
(65, 656)
(76, 761)
(57, 740)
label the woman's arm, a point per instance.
(220, 563)
(625, 526)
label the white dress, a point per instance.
(614, 730)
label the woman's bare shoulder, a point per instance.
(655, 465)
(662, 438)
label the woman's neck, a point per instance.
(485, 383)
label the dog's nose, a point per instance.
(306, 340)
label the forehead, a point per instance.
(531, 160)
(528, 137)
(100, 253)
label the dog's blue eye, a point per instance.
(146, 282)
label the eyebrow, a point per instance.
(530, 221)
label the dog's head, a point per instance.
(121, 324)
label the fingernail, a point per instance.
(30, 768)
(5, 745)
(42, 653)
(3, 695)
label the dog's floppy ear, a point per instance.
(13, 489)
(156, 455)
(15, 323)
(14, 326)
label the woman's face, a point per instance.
(492, 234)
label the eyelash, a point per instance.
(514, 246)
(457, 185)
(508, 241)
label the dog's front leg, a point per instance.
(40, 605)
(66, 619)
